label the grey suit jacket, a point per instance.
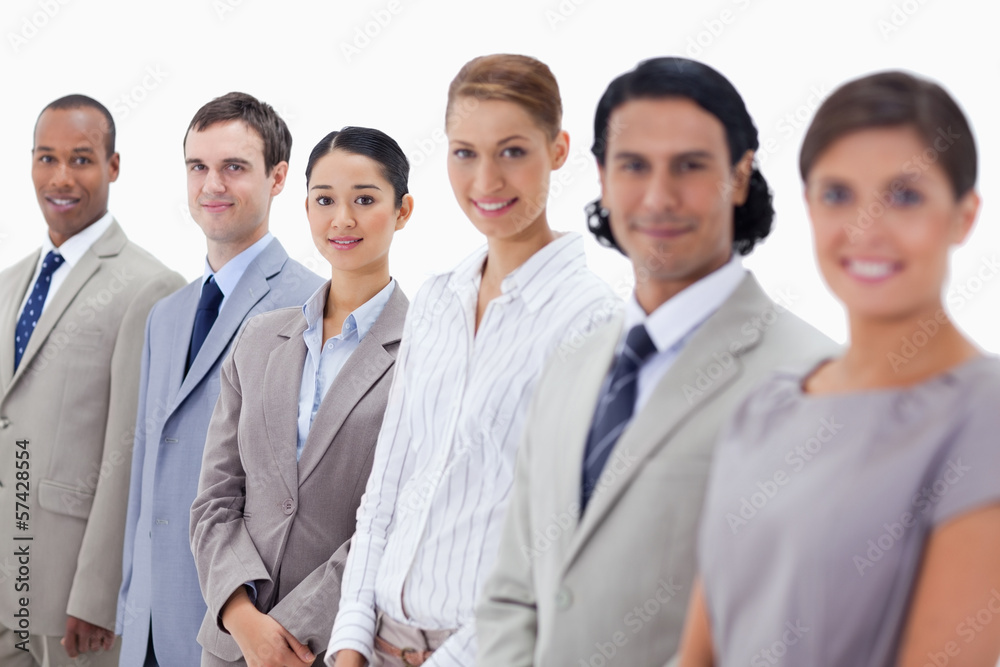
(612, 587)
(159, 580)
(261, 516)
(73, 398)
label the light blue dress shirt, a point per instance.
(324, 362)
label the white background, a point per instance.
(154, 64)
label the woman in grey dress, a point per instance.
(853, 515)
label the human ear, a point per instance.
(404, 212)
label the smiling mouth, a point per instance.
(494, 207)
(871, 271)
(62, 203)
(345, 244)
(216, 206)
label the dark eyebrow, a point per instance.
(511, 138)
(321, 187)
(366, 186)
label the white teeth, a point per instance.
(346, 242)
(62, 202)
(493, 206)
(870, 269)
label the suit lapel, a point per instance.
(366, 365)
(692, 382)
(180, 339)
(595, 363)
(10, 311)
(250, 289)
(109, 244)
(282, 379)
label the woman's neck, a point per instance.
(504, 255)
(348, 292)
(899, 352)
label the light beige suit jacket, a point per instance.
(73, 398)
(612, 587)
(262, 517)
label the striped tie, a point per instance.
(615, 407)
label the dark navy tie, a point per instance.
(204, 318)
(33, 306)
(615, 407)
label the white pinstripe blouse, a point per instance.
(430, 522)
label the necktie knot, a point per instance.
(211, 295)
(638, 344)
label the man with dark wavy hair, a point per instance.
(598, 554)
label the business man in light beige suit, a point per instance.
(292, 439)
(598, 554)
(71, 329)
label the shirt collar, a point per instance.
(74, 248)
(680, 315)
(229, 275)
(536, 278)
(361, 320)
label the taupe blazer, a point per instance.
(261, 516)
(73, 399)
(612, 587)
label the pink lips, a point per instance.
(493, 211)
(67, 204)
(344, 243)
(216, 206)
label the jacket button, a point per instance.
(4, 423)
(288, 506)
(564, 599)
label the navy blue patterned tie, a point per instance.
(204, 318)
(615, 407)
(33, 306)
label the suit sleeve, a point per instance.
(224, 553)
(506, 616)
(94, 594)
(309, 610)
(135, 486)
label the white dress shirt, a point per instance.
(229, 275)
(324, 362)
(430, 521)
(72, 251)
(672, 324)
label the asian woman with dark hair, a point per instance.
(293, 435)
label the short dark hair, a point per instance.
(895, 99)
(77, 101)
(260, 116)
(680, 77)
(370, 143)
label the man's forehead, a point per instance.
(225, 136)
(83, 125)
